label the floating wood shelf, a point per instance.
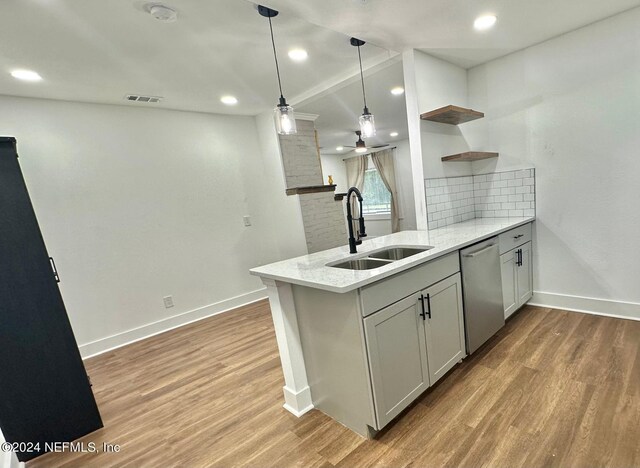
(452, 115)
(470, 156)
(310, 189)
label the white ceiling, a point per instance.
(338, 111)
(98, 51)
(445, 28)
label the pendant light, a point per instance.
(367, 121)
(283, 113)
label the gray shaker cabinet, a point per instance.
(370, 353)
(444, 326)
(411, 344)
(397, 356)
(517, 278)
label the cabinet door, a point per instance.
(509, 282)
(445, 326)
(525, 275)
(397, 357)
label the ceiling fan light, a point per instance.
(367, 124)
(361, 150)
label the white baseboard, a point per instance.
(587, 305)
(297, 403)
(109, 343)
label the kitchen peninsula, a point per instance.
(356, 343)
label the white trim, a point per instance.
(587, 305)
(415, 138)
(301, 399)
(303, 116)
(297, 394)
(386, 216)
(109, 343)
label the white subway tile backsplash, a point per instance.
(456, 199)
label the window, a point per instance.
(376, 197)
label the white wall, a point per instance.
(569, 107)
(8, 459)
(439, 84)
(334, 165)
(137, 204)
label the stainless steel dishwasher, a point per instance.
(482, 292)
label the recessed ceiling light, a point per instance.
(161, 12)
(26, 75)
(298, 55)
(229, 100)
(393, 134)
(397, 91)
(339, 148)
(484, 22)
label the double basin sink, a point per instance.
(380, 258)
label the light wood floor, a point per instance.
(553, 388)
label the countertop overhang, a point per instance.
(312, 270)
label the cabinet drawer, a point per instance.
(387, 291)
(514, 238)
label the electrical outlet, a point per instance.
(247, 220)
(168, 302)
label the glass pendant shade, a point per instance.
(367, 125)
(283, 114)
(285, 119)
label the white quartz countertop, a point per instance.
(312, 270)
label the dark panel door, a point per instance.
(45, 395)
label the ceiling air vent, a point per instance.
(138, 98)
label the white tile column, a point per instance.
(297, 395)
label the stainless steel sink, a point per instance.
(398, 253)
(361, 264)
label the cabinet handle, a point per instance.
(429, 306)
(518, 236)
(423, 314)
(519, 252)
(55, 270)
(481, 251)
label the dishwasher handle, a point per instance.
(481, 251)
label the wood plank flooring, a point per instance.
(553, 388)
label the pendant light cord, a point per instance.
(275, 55)
(364, 95)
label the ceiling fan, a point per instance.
(361, 146)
